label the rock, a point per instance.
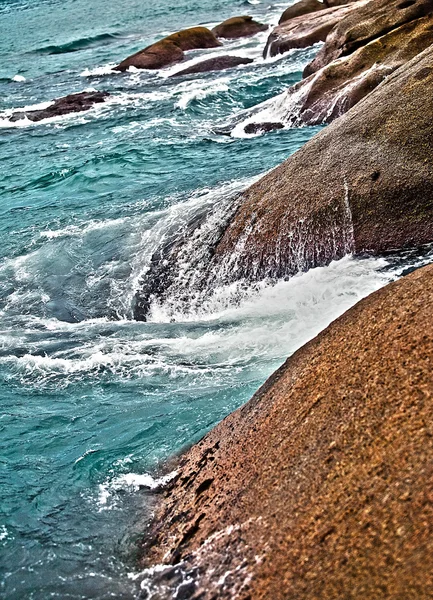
(321, 486)
(215, 64)
(238, 27)
(305, 30)
(303, 7)
(337, 87)
(363, 184)
(366, 23)
(63, 106)
(262, 127)
(170, 50)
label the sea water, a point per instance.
(93, 402)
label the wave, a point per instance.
(78, 44)
(130, 482)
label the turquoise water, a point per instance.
(91, 400)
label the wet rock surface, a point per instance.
(170, 50)
(63, 106)
(238, 27)
(218, 63)
(364, 184)
(321, 486)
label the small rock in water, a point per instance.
(63, 106)
(215, 64)
(238, 27)
(262, 127)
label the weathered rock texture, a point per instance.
(303, 7)
(363, 184)
(63, 106)
(338, 86)
(320, 487)
(238, 27)
(215, 64)
(305, 30)
(365, 24)
(170, 50)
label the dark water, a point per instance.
(91, 400)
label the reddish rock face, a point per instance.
(238, 27)
(368, 22)
(170, 50)
(64, 106)
(322, 485)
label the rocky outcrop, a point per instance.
(337, 87)
(238, 27)
(63, 106)
(365, 24)
(364, 184)
(170, 50)
(218, 63)
(303, 7)
(321, 486)
(253, 128)
(304, 31)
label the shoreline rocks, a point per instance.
(305, 30)
(72, 103)
(303, 7)
(362, 185)
(321, 485)
(238, 27)
(170, 49)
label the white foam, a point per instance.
(131, 482)
(18, 78)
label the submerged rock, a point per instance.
(364, 184)
(366, 23)
(170, 50)
(218, 63)
(63, 106)
(321, 485)
(238, 27)
(303, 7)
(305, 30)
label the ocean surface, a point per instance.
(92, 402)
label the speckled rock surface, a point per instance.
(320, 487)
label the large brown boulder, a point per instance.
(218, 63)
(63, 106)
(305, 30)
(321, 486)
(366, 23)
(363, 184)
(238, 27)
(303, 7)
(170, 50)
(338, 86)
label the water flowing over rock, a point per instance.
(63, 106)
(366, 23)
(321, 485)
(219, 63)
(335, 88)
(305, 30)
(238, 27)
(364, 184)
(170, 50)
